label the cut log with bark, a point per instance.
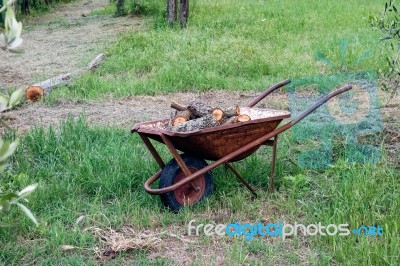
(199, 109)
(181, 117)
(236, 119)
(63, 79)
(243, 118)
(218, 114)
(178, 106)
(199, 115)
(230, 120)
(48, 84)
(206, 121)
(34, 93)
(234, 111)
(223, 115)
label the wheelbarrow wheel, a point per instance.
(190, 193)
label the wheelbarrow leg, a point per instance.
(176, 155)
(230, 167)
(272, 175)
(153, 151)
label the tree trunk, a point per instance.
(171, 11)
(1, 16)
(184, 12)
(25, 7)
(120, 8)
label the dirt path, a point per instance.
(61, 41)
(127, 111)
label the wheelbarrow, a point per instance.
(187, 179)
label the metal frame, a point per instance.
(191, 176)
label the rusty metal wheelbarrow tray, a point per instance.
(216, 142)
(222, 144)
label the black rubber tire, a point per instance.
(171, 171)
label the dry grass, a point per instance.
(124, 239)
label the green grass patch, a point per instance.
(99, 173)
(235, 45)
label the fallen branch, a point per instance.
(94, 64)
(43, 88)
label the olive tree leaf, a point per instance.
(26, 191)
(28, 213)
(8, 149)
(8, 197)
(3, 102)
(3, 149)
(15, 98)
(3, 166)
(11, 38)
(5, 205)
(6, 201)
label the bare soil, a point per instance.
(61, 42)
(124, 112)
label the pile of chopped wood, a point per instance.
(198, 115)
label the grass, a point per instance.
(234, 45)
(98, 173)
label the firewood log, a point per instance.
(234, 111)
(178, 106)
(181, 117)
(206, 121)
(243, 118)
(236, 119)
(218, 114)
(223, 115)
(199, 109)
(34, 93)
(230, 120)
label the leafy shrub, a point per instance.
(389, 24)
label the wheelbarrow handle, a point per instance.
(319, 103)
(267, 92)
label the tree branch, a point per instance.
(9, 3)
